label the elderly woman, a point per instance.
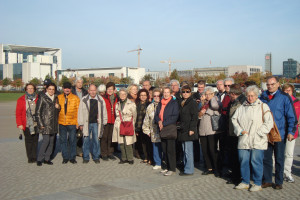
(151, 129)
(188, 129)
(290, 145)
(208, 136)
(166, 116)
(47, 110)
(132, 92)
(252, 121)
(25, 118)
(127, 109)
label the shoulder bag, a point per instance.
(169, 132)
(126, 127)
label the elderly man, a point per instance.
(200, 91)
(147, 85)
(237, 98)
(80, 92)
(281, 106)
(92, 116)
(67, 120)
(221, 90)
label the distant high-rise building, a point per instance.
(268, 62)
(291, 68)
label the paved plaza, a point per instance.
(110, 180)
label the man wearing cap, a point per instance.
(67, 120)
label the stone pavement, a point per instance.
(109, 180)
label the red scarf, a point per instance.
(164, 103)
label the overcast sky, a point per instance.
(99, 33)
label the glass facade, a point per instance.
(1, 72)
(17, 71)
(290, 68)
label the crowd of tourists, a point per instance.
(231, 130)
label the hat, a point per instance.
(47, 81)
(67, 85)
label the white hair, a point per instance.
(102, 88)
(229, 79)
(78, 79)
(252, 88)
(219, 81)
(210, 89)
(174, 81)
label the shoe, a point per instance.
(266, 185)
(168, 173)
(217, 174)
(111, 157)
(242, 186)
(255, 188)
(73, 161)
(144, 161)
(85, 161)
(184, 174)
(278, 187)
(289, 179)
(97, 161)
(131, 162)
(156, 167)
(123, 161)
(105, 158)
(164, 171)
(65, 161)
(234, 182)
(48, 162)
(39, 163)
(208, 172)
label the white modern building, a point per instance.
(157, 74)
(122, 72)
(28, 62)
(211, 71)
(249, 69)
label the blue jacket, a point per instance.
(171, 113)
(283, 111)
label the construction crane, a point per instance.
(139, 49)
(174, 61)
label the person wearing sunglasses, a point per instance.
(187, 133)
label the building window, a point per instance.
(1, 72)
(91, 75)
(17, 71)
(111, 74)
(55, 59)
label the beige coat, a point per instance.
(205, 127)
(248, 117)
(83, 115)
(149, 127)
(128, 112)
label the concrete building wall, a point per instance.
(249, 69)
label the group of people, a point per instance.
(167, 127)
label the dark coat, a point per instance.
(171, 113)
(47, 114)
(84, 91)
(188, 120)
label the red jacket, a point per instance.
(297, 110)
(225, 104)
(110, 108)
(21, 111)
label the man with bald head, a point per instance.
(92, 116)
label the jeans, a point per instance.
(157, 153)
(67, 139)
(278, 148)
(93, 128)
(188, 157)
(289, 156)
(255, 157)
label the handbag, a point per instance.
(126, 127)
(169, 132)
(217, 122)
(273, 135)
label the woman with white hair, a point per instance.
(208, 136)
(252, 122)
(102, 89)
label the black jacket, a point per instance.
(47, 114)
(171, 113)
(188, 120)
(84, 91)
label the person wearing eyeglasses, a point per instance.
(281, 105)
(209, 137)
(151, 129)
(187, 133)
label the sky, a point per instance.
(96, 33)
